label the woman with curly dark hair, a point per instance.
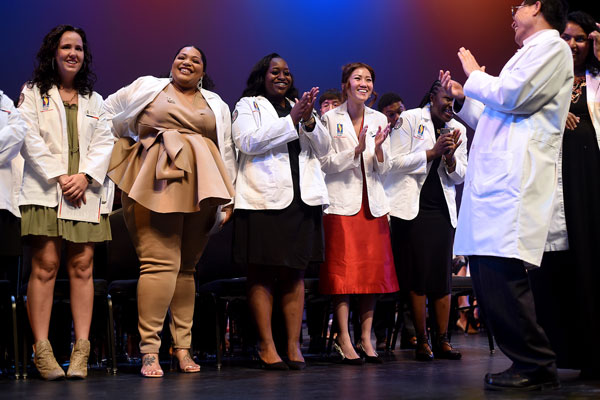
(67, 149)
(280, 192)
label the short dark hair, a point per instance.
(588, 24)
(45, 75)
(387, 99)
(554, 12)
(330, 94)
(255, 85)
(207, 82)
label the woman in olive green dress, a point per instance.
(67, 150)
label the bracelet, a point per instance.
(303, 122)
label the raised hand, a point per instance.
(379, 139)
(456, 141)
(595, 37)
(299, 108)
(453, 88)
(310, 103)
(362, 142)
(468, 62)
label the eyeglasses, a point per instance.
(514, 9)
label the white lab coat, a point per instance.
(519, 119)
(557, 235)
(264, 174)
(124, 106)
(343, 171)
(12, 133)
(409, 144)
(46, 147)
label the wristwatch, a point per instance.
(87, 177)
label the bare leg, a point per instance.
(292, 303)
(442, 313)
(40, 290)
(366, 303)
(342, 311)
(260, 300)
(80, 264)
(419, 310)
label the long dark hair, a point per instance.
(433, 90)
(587, 23)
(45, 75)
(207, 82)
(255, 85)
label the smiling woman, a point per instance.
(357, 236)
(175, 164)
(279, 195)
(68, 160)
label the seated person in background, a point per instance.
(391, 105)
(329, 100)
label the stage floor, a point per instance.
(399, 378)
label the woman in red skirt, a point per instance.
(358, 254)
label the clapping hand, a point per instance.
(379, 139)
(453, 88)
(302, 109)
(595, 37)
(362, 142)
(451, 149)
(468, 62)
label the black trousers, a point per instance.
(503, 291)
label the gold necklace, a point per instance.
(578, 84)
(70, 101)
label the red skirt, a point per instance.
(358, 254)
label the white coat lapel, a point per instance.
(82, 114)
(54, 95)
(346, 121)
(215, 105)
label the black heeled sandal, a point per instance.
(368, 359)
(346, 360)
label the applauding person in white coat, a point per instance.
(357, 237)
(427, 163)
(505, 213)
(280, 192)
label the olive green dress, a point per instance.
(43, 221)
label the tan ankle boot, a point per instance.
(79, 359)
(45, 362)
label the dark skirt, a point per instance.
(423, 252)
(292, 237)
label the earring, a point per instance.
(53, 67)
(171, 75)
(199, 85)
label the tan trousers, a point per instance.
(169, 246)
